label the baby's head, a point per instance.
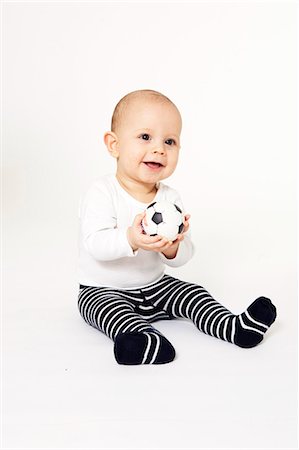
(145, 127)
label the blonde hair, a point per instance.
(124, 102)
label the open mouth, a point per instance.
(153, 165)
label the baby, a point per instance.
(123, 287)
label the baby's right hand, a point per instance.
(137, 238)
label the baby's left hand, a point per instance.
(180, 236)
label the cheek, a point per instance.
(137, 155)
(173, 160)
(132, 156)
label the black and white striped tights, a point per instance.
(126, 316)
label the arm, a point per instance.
(180, 254)
(106, 245)
(101, 237)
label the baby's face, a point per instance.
(149, 132)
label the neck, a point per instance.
(131, 185)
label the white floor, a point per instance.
(62, 388)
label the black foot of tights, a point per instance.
(143, 348)
(253, 323)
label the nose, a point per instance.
(159, 149)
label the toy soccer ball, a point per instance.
(164, 219)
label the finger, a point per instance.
(152, 239)
(138, 219)
(164, 242)
(144, 217)
(164, 247)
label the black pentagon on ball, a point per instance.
(152, 204)
(157, 218)
(181, 228)
(179, 209)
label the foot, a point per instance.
(142, 348)
(252, 324)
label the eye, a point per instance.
(171, 140)
(145, 134)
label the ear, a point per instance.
(111, 142)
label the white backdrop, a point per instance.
(230, 67)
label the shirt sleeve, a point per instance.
(101, 237)
(186, 247)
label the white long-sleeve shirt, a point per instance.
(105, 256)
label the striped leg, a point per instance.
(136, 341)
(182, 299)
